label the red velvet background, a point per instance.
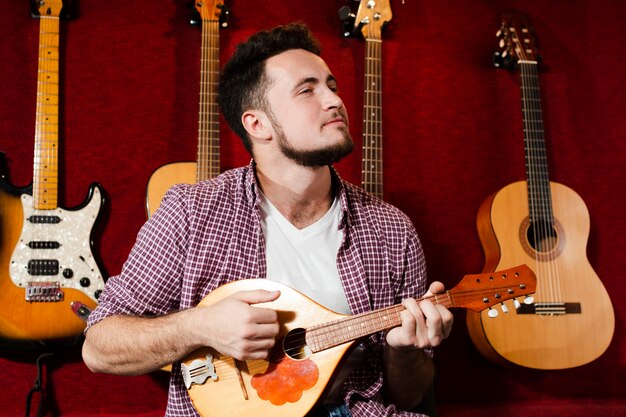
(452, 136)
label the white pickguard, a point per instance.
(72, 232)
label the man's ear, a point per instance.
(256, 124)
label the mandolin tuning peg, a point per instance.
(528, 300)
(504, 308)
(492, 313)
(516, 303)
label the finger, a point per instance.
(435, 288)
(256, 296)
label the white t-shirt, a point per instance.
(305, 259)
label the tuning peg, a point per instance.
(492, 313)
(347, 18)
(529, 300)
(504, 308)
(516, 303)
(224, 15)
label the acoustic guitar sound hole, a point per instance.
(541, 239)
(294, 344)
(542, 236)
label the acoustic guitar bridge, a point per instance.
(550, 309)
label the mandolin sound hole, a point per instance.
(294, 344)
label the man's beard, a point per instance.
(314, 158)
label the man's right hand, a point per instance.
(235, 327)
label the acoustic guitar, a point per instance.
(213, 15)
(545, 225)
(370, 20)
(46, 260)
(311, 345)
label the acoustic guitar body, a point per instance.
(571, 321)
(163, 178)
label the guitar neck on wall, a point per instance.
(46, 260)
(311, 345)
(213, 15)
(370, 19)
(545, 225)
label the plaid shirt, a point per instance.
(205, 235)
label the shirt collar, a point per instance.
(252, 191)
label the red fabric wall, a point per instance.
(452, 136)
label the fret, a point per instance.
(208, 164)
(45, 166)
(540, 200)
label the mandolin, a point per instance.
(46, 260)
(213, 15)
(545, 225)
(311, 345)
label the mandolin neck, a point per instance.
(46, 161)
(208, 165)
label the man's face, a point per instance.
(308, 117)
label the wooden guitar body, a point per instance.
(166, 176)
(45, 316)
(552, 339)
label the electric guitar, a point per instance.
(46, 262)
(371, 18)
(214, 15)
(545, 225)
(312, 342)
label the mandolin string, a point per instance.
(449, 299)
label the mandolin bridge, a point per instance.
(198, 371)
(550, 309)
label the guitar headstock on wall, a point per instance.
(64, 9)
(369, 20)
(210, 10)
(517, 41)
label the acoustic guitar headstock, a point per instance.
(516, 41)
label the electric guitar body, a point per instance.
(544, 225)
(47, 269)
(37, 290)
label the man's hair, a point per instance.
(243, 81)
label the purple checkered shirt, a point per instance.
(207, 234)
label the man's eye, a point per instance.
(306, 90)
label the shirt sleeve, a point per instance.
(150, 281)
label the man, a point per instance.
(287, 217)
